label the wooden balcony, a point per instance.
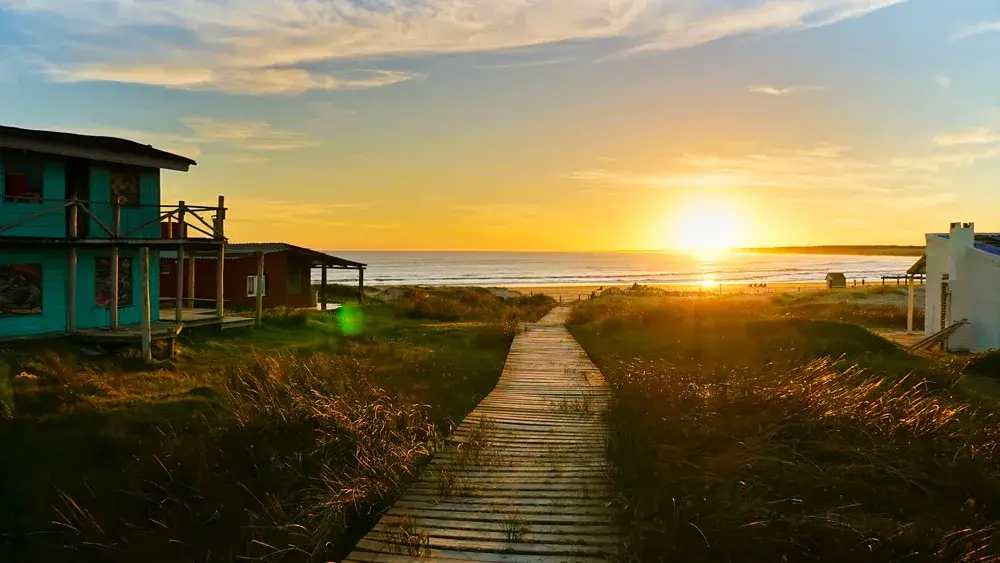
(75, 222)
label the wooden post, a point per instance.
(322, 287)
(181, 225)
(71, 289)
(116, 219)
(910, 302)
(361, 285)
(179, 302)
(114, 288)
(190, 282)
(147, 347)
(260, 288)
(220, 217)
(74, 214)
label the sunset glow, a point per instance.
(708, 228)
(447, 125)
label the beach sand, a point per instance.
(870, 294)
(573, 292)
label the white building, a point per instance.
(963, 282)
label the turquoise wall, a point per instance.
(131, 217)
(53, 189)
(55, 264)
(89, 314)
(55, 260)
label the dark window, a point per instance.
(294, 282)
(124, 186)
(103, 282)
(20, 289)
(23, 181)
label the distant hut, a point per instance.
(835, 280)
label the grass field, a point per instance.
(281, 443)
(767, 429)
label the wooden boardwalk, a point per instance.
(523, 478)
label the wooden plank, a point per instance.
(532, 453)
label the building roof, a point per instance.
(918, 267)
(92, 147)
(320, 258)
(987, 243)
(247, 249)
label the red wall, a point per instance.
(277, 266)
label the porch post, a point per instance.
(190, 282)
(179, 303)
(147, 348)
(322, 288)
(114, 288)
(361, 285)
(220, 219)
(910, 302)
(260, 287)
(71, 292)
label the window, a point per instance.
(103, 282)
(124, 186)
(20, 289)
(294, 282)
(22, 181)
(252, 286)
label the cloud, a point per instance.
(528, 64)
(783, 91)
(978, 29)
(943, 81)
(284, 212)
(263, 46)
(245, 134)
(974, 136)
(264, 81)
(804, 174)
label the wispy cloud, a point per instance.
(943, 81)
(245, 134)
(528, 64)
(263, 81)
(805, 174)
(783, 90)
(977, 29)
(974, 136)
(263, 46)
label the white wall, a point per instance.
(976, 297)
(938, 259)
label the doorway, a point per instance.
(78, 184)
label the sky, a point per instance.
(536, 124)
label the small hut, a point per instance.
(835, 280)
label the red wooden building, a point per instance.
(287, 276)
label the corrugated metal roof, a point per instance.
(93, 142)
(246, 249)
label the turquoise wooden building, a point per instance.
(80, 215)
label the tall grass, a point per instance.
(280, 444)
(469, 303)
(739, 434)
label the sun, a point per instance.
(708, 228)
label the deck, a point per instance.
(523, 478)
(166, 328)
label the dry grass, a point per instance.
(279, 444)
(739, 433)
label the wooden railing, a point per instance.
(182, 219)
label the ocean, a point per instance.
(514, 269)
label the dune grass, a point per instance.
(758, 430)
(277, 444)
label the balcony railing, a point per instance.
(117, 220)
